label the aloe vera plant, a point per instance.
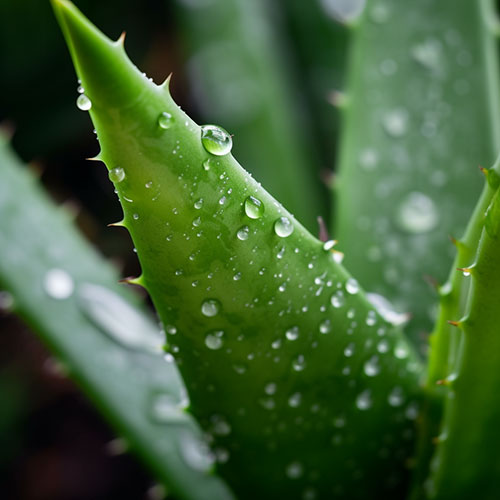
(305, 386)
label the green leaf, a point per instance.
(99, 331)
(422, 115)
(303, 386)
(462, 464)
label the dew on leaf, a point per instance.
(325, 326)
(396, 397)
(214, 340)
(58, 284)
(216, 140)
(165, 120)
(417, 213)
(292, 333)
(118, 319)
(165, 407)
(294, 470)
(337, 299)
(83, 102)
(352, 286)
(254, 208)
(242, 233)
(195, 452)
(283, 227)
(295, 399)
(116, 174)
(364, 400)
(210, 307)
(372, 367)
(395, 122)
(299, 363)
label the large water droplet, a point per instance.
(364, 400)
(118, 319)
(116, 174)
(216, 140)
(83, 102)
(283, 227)
(417, 213)
(352, 286)
(294, 470)
(165, 120)
(214, 340)
(254, 208)
(58, 284)
(292, 333)
(210, 307)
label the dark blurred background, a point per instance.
(53, 444)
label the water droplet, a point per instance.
(396, 397)
(401, 350)
(343, 10)
(240, 369)
(299, 363)
(395, 122)
(270, 389)
(276, 344)
(295, 399)
(352, 286)
(216, 140)
(254, 208)
(417, 213)
(242, 233)
(198, 203)
(171, 330)
(83, 102)
(214, 340)
(386, 309)
(195, 452)
(428, 54)
(349, 350)
(197, 221)
(337, 299)
(371, 318)
(364, 400)
(167, 407)
(165, 120)
(292, 333)
(116, 174)
(208, 164)
(80, 89)
(325, 326)
(220, 426)
(294, 470)
(283, 227)
(58, 284)
(383, 346)
(267, 403)
(135, 216)
(371, 367)
(328, 245)
(118, 319)
(210, 307)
